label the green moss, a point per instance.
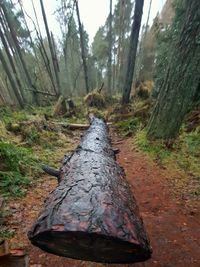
(184, 155)
(32, 136)
(7, 115)
(129, 126)
(16, 164)
(6, 234)
(156, 148)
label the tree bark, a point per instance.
(181, 82)
(85, 68)
(92, 215)
(132, 50)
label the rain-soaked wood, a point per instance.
(92, 214)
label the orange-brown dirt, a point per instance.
(173, 228)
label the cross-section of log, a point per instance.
(92, 214)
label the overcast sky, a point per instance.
(93, 13)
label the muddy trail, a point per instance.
(173, 228)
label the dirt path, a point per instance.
(174, 231)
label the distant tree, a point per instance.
(122, 18)
(52, 49)
(13, 31)
(100, 53)
(146, 53)
(11, 80)
(180, 87)
(109, 72)
(132, 50)
(83, 48)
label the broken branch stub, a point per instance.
(92, 215)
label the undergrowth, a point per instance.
(22, 152)
(129, 126)
(183, 156)
(16, 165)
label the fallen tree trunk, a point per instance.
(92, 215)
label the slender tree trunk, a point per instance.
(2, 99)
(15, 40)
(19, 85)
(42, 49)
(132, 50)
(82, 48)
(7, 95)
(181, 83)
(54, 51)
(33, 47)
(121, 47)
(147, 22)
(142, 48)
(11, 80)
(110, 52)
(53, 56)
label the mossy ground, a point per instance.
(183, 157)
(24, 149)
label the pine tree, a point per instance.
(181, 83)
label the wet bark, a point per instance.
(92, 215)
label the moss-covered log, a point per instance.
(92, 215)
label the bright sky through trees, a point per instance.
(93, 13)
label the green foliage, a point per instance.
(156, 148)
(12, 184)
(192, 141)
(183, 155)
(32, 136)
(7, 115)
(16, 163)
(6, 234)
(129, 126)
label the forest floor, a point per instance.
(172, 219)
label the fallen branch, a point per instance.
(51, 171)
(41, 92)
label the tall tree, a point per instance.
(19, 50)
(11, 80)
(143, 53)
(132, 50)
(12, 64)
(110, 51)
(53, 55)
(83, 52)
(121, 31)
(182, 83)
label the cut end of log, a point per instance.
(90, 246)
